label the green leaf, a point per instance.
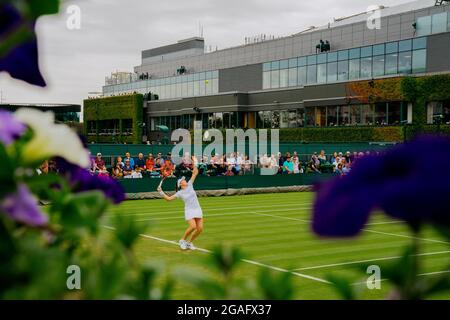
(38, 8)
(276, 286)
(225, 258)
(343, 287)
(128, 229)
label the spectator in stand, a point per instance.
(99, 163)
(229, 172)
(167, 168)
(265, 161)
(127, 169)
(158, 163)
(280, 163)
(130, 159)
(137, 173)
(103, 172)
(348, 157)
(322, 157)
(314, 163)
(149, 163)
(247, 165)
(296, 163)
(140, 162)
(239, 162)
(333, 159)
(338, 170)
(273, 163)
(117, 169)
(288, 166)
(346, 169)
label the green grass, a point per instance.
(274, 229)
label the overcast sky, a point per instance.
(113, 33)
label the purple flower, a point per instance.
(21, 61)
(10, 128)
(410, 182)
(82, 180)
(21, 206)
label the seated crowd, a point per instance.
(224, 165)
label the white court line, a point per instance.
(419, 275)
(368, 260)
(301, 275)
(405, 236)
(299, 208)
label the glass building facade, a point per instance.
(391, 58)
(188, 85)
(436, 23)
(378, 114)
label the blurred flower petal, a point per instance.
(10, 128)
(21, 206)
(410, 182)
(21, 59)
(50, 139)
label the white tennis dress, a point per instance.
(192, 207)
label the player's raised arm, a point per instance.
(165, 196)
(195, 169)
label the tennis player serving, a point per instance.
(192, 211)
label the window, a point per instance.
(302, 61)
(310, 116)
(332, 72)
(367, 114)
(343, 70)
(284, 78)
(378, 49)
(293, 63)
(284, 64)
(218, 120)
(267, 66)
(322, 73)
(332, 116)
(366, 67)
(378, 66)
(394, 113)
(419, 43)
(322, 58)
(312, 74)
(405, 45)
(353, 69)
(391, 63)
(439, 22)
(266, 80)
(354, 53)
(419, 61)
(284, 119)
(293, 119)
(354, 115)
(366, 51)
(380, 114)
(321, 116)
(332, 57)
(275, 79)
(292, 77)
(301, 117)
(423, 26)
(301, 76)
(343, 55)
(312, 59)
(343, 115)
(275, 65)
(275, 119)
(404, 62)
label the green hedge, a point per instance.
(115, 108)
(343, 134)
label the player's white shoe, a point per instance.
(191, 246)
(183, 244)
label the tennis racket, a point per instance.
(161, 182)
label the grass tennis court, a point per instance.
(273, 230)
